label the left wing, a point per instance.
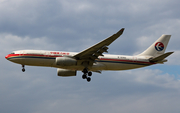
(93, 52)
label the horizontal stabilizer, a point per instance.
(161, 57)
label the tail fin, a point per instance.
(158, 47)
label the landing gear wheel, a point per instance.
(85, 71)
(23, 70)
(89, 73)
(84, 76)
(88, 79)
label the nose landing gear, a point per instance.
(23, 69)
(87, 74)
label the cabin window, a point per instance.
(35, 53)
(13, 53)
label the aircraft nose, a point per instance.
(6, 56)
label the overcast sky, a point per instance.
(74, 25)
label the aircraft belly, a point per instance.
(95, 67)
(121, 66)
(16, 60)
(37, 62)
(103, 66)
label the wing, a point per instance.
(93, 52)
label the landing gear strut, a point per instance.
(86, 74)
(23, 69)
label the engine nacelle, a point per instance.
(66, 61)
(65, 72)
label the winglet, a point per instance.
(120, 32)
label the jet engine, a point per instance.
(66, 61)
(65, 72)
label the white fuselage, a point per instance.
(106, 62)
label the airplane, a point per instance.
(92, 59)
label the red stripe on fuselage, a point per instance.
(16, 55)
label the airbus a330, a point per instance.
(93, 58)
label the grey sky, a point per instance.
(74, 26)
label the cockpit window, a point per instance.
(13, 53)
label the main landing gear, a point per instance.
(23, 69)
(87, 74)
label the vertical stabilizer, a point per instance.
(158, 47)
